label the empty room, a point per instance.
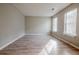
(39, 28)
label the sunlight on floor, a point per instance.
(53, 47)
(52, 44)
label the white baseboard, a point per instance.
(11, 42)
(36, 34)
(73, 45)
(33, 34)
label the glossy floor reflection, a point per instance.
(56, 47)
(38, 45)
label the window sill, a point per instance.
(73, 36)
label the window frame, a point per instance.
(55, 24)
(73, 33)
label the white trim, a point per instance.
(11, 42)
(73, 45)
(35, 34)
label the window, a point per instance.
(70, 22)
(55, 24)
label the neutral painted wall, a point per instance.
(11, 23)
(37, 25)
(60, 15)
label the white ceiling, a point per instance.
(40, 9)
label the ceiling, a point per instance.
(40, 9)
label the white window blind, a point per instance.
(55, 24)
(70, 22)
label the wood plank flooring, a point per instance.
(38, 45)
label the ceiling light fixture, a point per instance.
(52, 9)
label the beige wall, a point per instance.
(37, 25)
(11, 23)
(60, 15)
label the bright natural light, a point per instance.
(55, 24)
(50, 46)
(70, 22)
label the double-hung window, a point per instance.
(70, 22)
(55, 24)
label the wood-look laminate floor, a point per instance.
(38, 45)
